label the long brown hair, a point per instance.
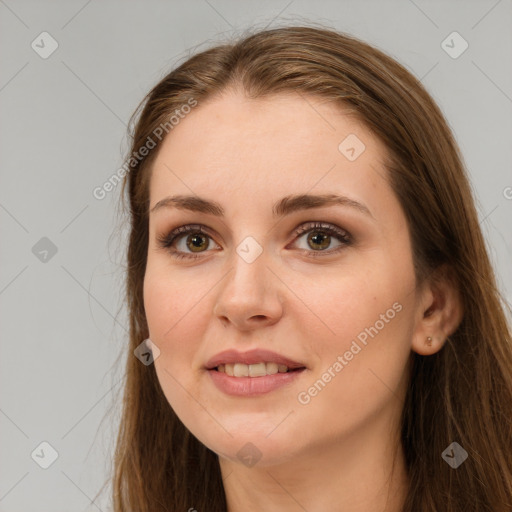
(462, 393)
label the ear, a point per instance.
(439, 311)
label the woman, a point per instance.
(306, 267)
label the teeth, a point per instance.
(252, 370)
(272, 368)
(256, 370)
(240, 370)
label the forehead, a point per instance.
(285, 143)
(234, 122)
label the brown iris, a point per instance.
(319, 238)
(194, 242)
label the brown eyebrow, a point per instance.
(284, 206)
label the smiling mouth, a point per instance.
(254, 370)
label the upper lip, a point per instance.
(251, 357)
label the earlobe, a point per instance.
(428, 345)
(440, 313)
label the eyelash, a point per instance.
(343, 236)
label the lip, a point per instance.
(252, 386)
(251, 357)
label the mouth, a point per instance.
(252, 373)
(260, 369)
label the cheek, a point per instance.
(172, 302)
(176, 316)
(361, 376)
(176, 323)
(363, 345)
(337, 306)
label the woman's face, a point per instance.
(335, 301)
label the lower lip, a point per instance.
(252, 386)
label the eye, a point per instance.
(197, 240)
(320, 236)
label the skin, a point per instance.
(335, 452)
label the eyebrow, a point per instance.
(284, 206)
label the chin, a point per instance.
(253, 447)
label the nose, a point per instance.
(250, 296)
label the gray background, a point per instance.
(63, 323)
